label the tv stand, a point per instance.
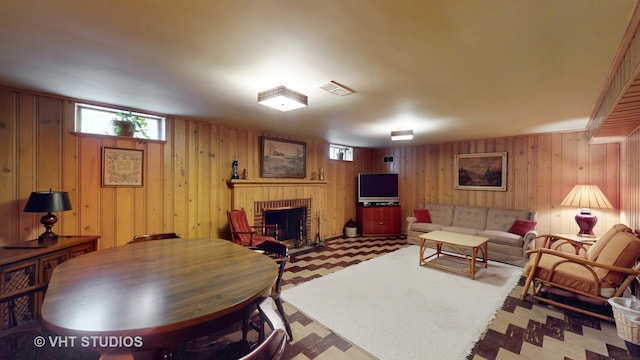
(379, 220)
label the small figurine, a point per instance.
(321, 174)
(234, 166)
(245, 174)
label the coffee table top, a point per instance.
(454, 238)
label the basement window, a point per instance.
(92, 119)
(339, 152)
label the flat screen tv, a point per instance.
(378, 189)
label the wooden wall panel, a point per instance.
(185, 178)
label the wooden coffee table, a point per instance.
(455, 242)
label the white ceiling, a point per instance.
(450, 70)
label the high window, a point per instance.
(92, 119)
(339, 152)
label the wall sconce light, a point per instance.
(282, 98)
(586, 197)
(401, 135)
(48, 201)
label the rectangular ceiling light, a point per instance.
(401, 135)
(281, 98)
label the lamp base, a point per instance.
(586, 221)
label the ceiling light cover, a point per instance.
(401, 135)
(282, 98)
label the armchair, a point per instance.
(590, 272)
(244, 234)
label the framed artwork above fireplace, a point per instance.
(283, 158)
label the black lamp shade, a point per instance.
(48, 201)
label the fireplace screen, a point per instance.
(290, 223)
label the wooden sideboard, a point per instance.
(379, 220)
(25, 271)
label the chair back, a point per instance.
(148, 237)
(239, 226)
(272, 348)
(279, 251)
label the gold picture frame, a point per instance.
(283, 158)
(122, 167)
(482, 171)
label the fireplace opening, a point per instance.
(290, 222)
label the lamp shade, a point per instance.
(48, 201)
(587, 196)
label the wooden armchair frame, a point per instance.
(568, 258)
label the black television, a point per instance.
(376, 189)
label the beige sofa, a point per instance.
(492, 223)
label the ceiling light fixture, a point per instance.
(282, 98)
(401, 135)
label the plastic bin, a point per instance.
(626, 312)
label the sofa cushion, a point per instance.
(521, 227)
(426, 227)
(440, 213)
(503, 237)
(470, 217)
(503, 219)
(422, 215)
(461, 230)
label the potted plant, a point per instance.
(127, 124)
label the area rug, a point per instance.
(394, 309)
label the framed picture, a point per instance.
(485, 171)
(283, 158)
(121, 167)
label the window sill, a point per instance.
(106, 136)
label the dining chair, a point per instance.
(246, 235)
(148, 237)
(279, 251)
(267, 347)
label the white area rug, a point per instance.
(394, 309)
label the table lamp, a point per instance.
(48, 201)
(586, 197)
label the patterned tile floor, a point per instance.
(521, 330)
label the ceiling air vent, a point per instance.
(337, 89)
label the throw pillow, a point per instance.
(422, 215)
(521, 227)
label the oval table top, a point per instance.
(155, 289)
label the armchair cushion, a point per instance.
(595, 249)
(622, 251)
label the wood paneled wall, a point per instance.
(185, 177)
(541, 170)
(630, 181)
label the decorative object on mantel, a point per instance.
(128, 124)
(313, 175)
(283, 158)
(234, 170)
(483, 171)
(321, 174)
(245, 174)
(586, 197)
(122, 167)
(48, 201)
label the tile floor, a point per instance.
(521, 330)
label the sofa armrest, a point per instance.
(529, 242)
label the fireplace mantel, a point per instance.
(279, 182)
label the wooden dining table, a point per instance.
(160, 292)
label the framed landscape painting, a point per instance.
(283, 158)
(484, 171)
